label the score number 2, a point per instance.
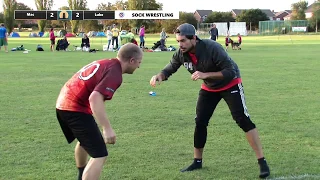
(77, 15)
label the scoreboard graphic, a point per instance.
(66, 15)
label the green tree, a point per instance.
(170, 25)
(43, 5)
(1, 17)
(184, 17)
(315, 20)
(21, 6)
(220, 17)
(187, 18)
(9, 6)
(106, 7)
(90, 25)
(252, 16)
(76, 5)
(298, 10)
(120, 5)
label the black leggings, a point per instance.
(208, 101)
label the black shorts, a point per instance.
(82, 126)
(234, 97)
(227, 44)
(53, 42)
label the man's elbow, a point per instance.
(95, 97)
(228, 73)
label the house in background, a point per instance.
(201, 15)
(279, 16)
(270, 14)
(309, 11)
(287, 17)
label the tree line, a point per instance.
(251, 16)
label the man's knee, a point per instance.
(200, 132)
(202, 121)
(244, 122)
(200, 135)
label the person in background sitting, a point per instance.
(65, 43)
(134, 41)
(130, 34)
(85, 42)
(131, 37)
(239, 40)
(141, 35)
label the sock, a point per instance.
(81, 169)
(262, 160)
(197, 164)
(197, 161)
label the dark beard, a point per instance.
(193, 47)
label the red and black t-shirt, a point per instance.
(104, 76)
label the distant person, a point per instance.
(66, 42)
(80, 108)
(115, 35)
(85, 42)
(3, 38)
(52, 39)
(239, 41)
(130, 34)
(214, 33)
(109, 36)
(163, 37)
(141, 35)
(227, 41)
(131, 37)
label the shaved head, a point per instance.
(130, 56)
(130, 51)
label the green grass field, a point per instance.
(155, 134)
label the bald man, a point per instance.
(80, 108)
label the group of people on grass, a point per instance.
(114, 32)
(214, 34)
(113, 38)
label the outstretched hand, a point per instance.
(154, 79)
